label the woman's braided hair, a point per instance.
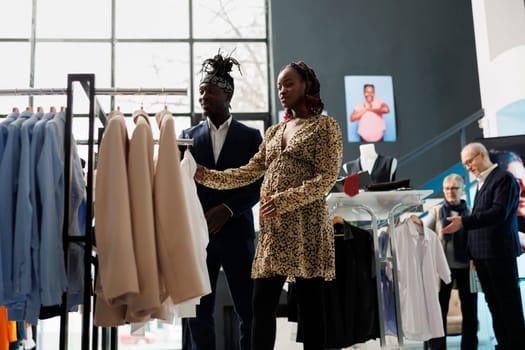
(313, 101)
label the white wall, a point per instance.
(499, 27)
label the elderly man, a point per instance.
(493, 244)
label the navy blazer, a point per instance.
(241, 143)
(492, 227)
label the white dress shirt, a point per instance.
(218, 136)
(199, 232)
(420, 259)
(484, 174)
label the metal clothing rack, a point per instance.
(87, 82)
(99, 91)
(379, 206)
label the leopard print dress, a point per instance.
(299, 240)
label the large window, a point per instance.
(133, 44)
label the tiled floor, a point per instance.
(453, 343)
(284, 341)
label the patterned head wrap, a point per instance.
(219, 81)
(217, 70)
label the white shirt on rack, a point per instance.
(199, 232)
(420, 260)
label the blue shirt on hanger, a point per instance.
(23, 279)
(8, 191)
(50, 168)
(3, 130)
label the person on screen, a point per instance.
(513, 163)
(369, 115)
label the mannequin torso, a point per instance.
(381, 168)
(368, 157)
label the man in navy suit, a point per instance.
(493, 244)
(220, 142)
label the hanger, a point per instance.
(338, 220)
(142, 104)
(416, 220)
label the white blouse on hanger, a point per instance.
(199, 230)
(420, 260)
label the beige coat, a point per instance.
(179, 265)
(433, 220)
(140, 177)
(117, 264)
(117, 279)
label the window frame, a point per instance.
(196, 117)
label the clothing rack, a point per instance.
(88, 79)
(87, 82)
(378, 207)
(99, 91)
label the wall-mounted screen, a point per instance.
(508, 152)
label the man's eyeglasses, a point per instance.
(469, 161)
(450, 188)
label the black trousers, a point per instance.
(499, 280)
(235, 257)
(469, 311)
(266, 295)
